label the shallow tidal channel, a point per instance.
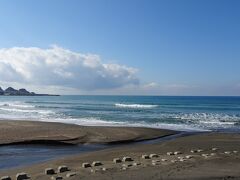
(12, 156)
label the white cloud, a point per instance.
(57, 66)
(151, 85)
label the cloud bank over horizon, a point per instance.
(56, 66)
(58, 70)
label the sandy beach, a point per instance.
(30, 132)
(120, 90)
(199, 156)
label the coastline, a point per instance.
(14, 132)
(218, 166)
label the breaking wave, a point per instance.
(137, 111)
(143, 106)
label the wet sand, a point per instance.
(218, 158)
(31, 132)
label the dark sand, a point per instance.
(30, 132)
(217, 166)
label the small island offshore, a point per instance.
(21, 92)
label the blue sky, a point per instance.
(182, 47)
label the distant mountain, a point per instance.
(24, 91)
(21, 92)
(11, 91)
(1, 91)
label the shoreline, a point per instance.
(14, 132)
(223, 163)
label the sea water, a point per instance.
(178, 113)
(169, 112)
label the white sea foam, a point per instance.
(22, 110)
(143, 106)
(217, 123)
(88, 121)
(27, 110)
(16, 104)
(93, 121)
(22, 105)
(187, 121)
(210, 120)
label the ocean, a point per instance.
(168, 112)
(192, 114)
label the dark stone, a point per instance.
(62, 169)
(22, 176)
(49, 171)
(5, 178)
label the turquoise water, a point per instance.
(178, 113)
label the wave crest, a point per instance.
(143, 106)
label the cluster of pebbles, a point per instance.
(127, 162)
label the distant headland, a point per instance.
(21, 92)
